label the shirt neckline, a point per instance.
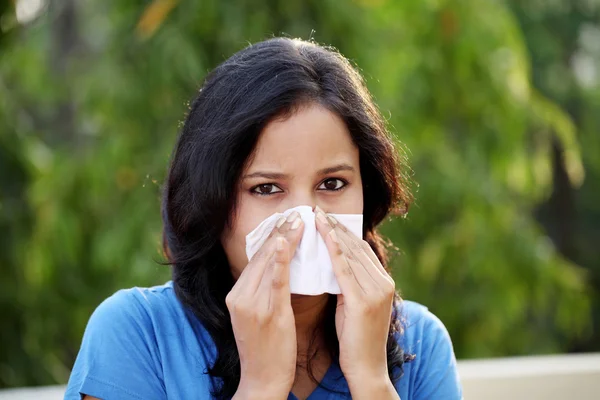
(333, 380)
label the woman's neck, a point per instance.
(308, 313)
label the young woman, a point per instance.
(281, 123)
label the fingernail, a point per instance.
(280, 243)
(280, 222)
(322, 217)
(296, 224)
(333, 236)
(332, 220)
(292, 216)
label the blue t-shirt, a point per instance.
(141, 343)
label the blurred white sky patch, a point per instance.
(584, 68)
(589, 38)
(586, 60)
(28, 10)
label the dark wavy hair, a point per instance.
(268, 80)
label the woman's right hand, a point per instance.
(262, 318)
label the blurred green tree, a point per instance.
(92, 94)
(564, 46)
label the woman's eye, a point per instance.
(332, 184)
(266, 189)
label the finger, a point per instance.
(341, 268)
(361, 250)
(260, 261)
(369, 250)
(364, 244)
(251, 276)
(292, 230)
(358, 260)
(261, 297)
(280, 277)
(290, 227)
(275, 282)
(274, 276)
(269, 241)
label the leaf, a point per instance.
(153, 16)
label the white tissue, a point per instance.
(311, 272)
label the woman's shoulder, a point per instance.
(421, 328)
(140, 303)
(138, 308)
(154, 311)
(415, 316)
(133, 340)
(432, 373)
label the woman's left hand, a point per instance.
(363, 310)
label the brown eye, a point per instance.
(266, 189)
(332, 184)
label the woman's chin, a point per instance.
(301, 301)
(307, 296)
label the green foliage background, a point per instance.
(498, 103)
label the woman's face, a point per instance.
(306, 159)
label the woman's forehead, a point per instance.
(312, 138)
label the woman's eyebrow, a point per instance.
(336, 168)
(266, 175)
(278, 175)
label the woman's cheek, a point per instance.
(349, 201)
(248, 218)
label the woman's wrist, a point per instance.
(377, 387)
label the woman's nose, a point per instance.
(302, 199)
